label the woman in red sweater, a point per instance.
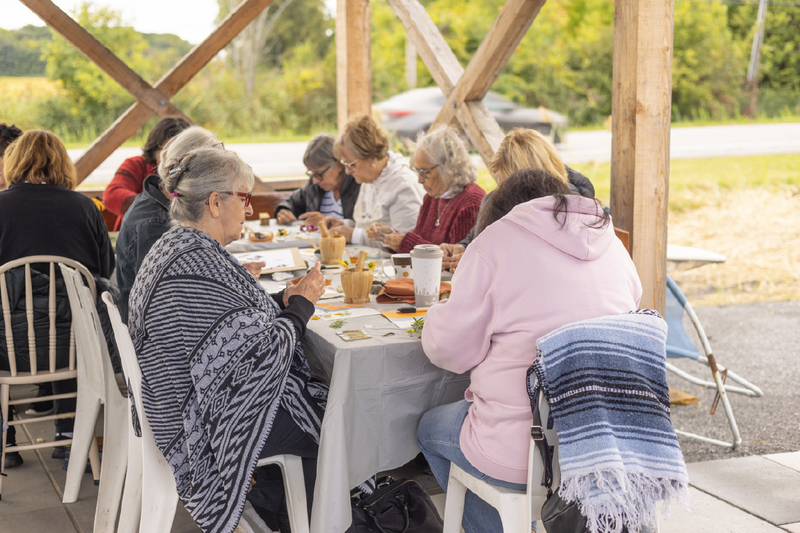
(452, 198)
(127, 182)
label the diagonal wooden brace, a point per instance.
(136, 115)
(492, 55)
(101, 56)
(465, 89)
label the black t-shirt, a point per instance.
(52, 220)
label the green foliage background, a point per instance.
(563, 63)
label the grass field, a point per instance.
(746, 208)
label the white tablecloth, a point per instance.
(379, 389)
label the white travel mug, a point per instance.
(426, 261)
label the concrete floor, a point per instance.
(753, 490)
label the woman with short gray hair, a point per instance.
(148, 217)
(224, 378)
(452, 198)
(330, 192)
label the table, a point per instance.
(379, 389)
(297, 239)
(685, 257)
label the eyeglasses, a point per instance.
(349, 166)
(245, 195)
(423, 172)
(311, 174)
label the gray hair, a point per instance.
(198, 174)
(319, 152)
(183, 143)
(444, 147)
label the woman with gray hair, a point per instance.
(452, 198)
(224, 378)
(148, 217)
(330, 192)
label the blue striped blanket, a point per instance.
(606, 383)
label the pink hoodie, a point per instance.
(523, 277)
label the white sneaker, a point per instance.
(251, 522)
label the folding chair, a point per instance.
(679, 345)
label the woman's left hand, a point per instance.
(314, 218)
(393, 240)
(255, 267)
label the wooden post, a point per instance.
(353, 63)
(642, 85)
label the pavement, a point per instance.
(755, 489)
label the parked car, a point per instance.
(412, 111)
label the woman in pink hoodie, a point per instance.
(543, 258)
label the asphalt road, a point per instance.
(285, 159)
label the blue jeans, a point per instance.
(438, 439)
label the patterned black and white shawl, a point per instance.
(216, 361)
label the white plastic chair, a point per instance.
(51, 374)
(517, 508)
(152, 488)
(94, 368)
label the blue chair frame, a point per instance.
(679, 345)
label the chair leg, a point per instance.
(112, 474)
(86, 412)
(4, 393)
(454, 505)
(131, 510)
(159, 493)
(295, 488)
(513, 514)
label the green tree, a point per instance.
(21, 51)
(94, 100)
(779, 72)
(709, 65)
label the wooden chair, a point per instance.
(14, 376)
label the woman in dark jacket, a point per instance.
(330, 192)
(43, 215)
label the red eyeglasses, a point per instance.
(245, 195)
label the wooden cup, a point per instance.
(331, 249)
(357, 282)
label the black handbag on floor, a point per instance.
(396, 506)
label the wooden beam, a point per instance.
(353, 59)
(481, 128)
(109, 63)
(431, 46)
(136, 115)
(643, 75)
(492, 55)
(479, 125)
